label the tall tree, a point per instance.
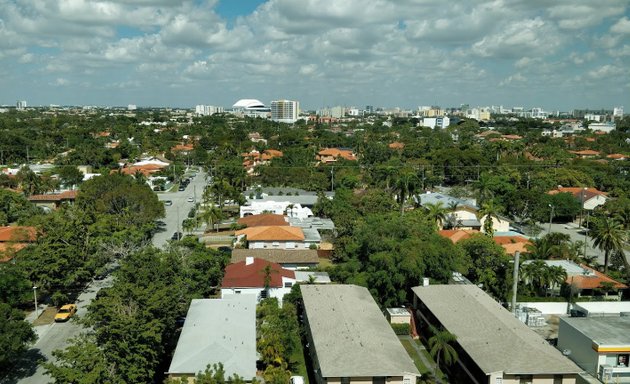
(441, 346)
(436, 212)
(608, 235)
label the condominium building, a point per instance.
(285, 111)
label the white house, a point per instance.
(248, 278)
(591, 198)
(599, 345)
(276, 237)
(277, 207)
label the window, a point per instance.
(288, 284)
(406, 380)
(345, 380)
(526, 379)
(276, 244)
(378, 380)
(237, 292)
(622, 360)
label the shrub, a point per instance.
(401, 329)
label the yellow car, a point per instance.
(65, 312)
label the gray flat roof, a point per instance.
(320, 277)
(495, 339)
(350, 334)
(446, 200)
(603, 331)
(218, 330)
(312, 222)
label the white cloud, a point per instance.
(533, 36)
(621, 27)
(605, 71)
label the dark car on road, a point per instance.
(176, 236)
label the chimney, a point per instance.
(425, 281)
(249, 260)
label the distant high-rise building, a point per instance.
(369, 109)
(21, 105)
(131, 107)
(285, 111)
(207, 110)
(618, 112)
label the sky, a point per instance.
(555, 54)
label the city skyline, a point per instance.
(560, 55)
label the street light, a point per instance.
(550, 217)
(35, 296)
(583, 193)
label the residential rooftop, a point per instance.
(280, 256)
(350, 334)
(604, 331)
(218, 330)
(494, 339)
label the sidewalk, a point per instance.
(31, 317)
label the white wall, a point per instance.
(580, 346)
(278, 293)
(498, 225)
(594, 202)
(547, 308)
(278, 245)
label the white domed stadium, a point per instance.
(251, 107)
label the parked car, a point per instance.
(181, 188)
(191, 199)
(65, 312)
(168, 203)
(176, 236)
(297, 380)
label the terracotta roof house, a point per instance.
(255, 158)
(586, 153)
(14, 239)
(263, 219)
(183, 148)
(584, 278)
(289, 259)
(616, 156)
(331, 155)
(248, 277)
(396, 145)
(592, 197)
(146, 170)
(53, 200)
(511, 244)
(274, 237)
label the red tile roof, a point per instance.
(241, 275)
(585, 152)
(578, 192)
(617, 156)
(66, 195)
(592, 281)
(264, 219)
(336, 152)
(396, 145)
(456, 235)
(18, 234)
(272, 233)
(182, 147)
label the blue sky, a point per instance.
(557, 54)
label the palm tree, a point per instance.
(490, 210)
(608, 235)
(556, 276)
(211, 215)
(441, 346)
(436, 212)
(406, 184)
(483, 188)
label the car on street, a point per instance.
(176, 236)
(181, 188)
(65, 312)
(168, 203)
(191, 199)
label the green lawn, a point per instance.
(298, 365)
(414, 356)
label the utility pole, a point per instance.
(517, 256)
(550, 217)
(36, 307)
(332, 178)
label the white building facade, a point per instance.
(285, 111)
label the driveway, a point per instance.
(52, 337)
(177, 212)
(577, 233)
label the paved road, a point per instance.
(52, 337)
(577, 234)
(177, 212)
